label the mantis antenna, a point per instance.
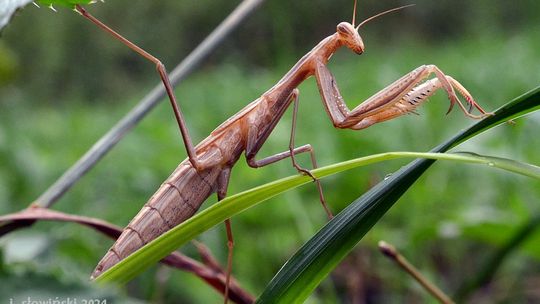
(379, 14)
(354, 13)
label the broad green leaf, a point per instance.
(314, 261)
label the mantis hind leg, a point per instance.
(222, 185)
(188, 143)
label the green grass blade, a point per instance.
(314, 261)
(162, 246)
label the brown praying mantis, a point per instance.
(208, 166)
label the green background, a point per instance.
(63, 83)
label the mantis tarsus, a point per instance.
(208, 166)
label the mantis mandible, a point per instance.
(208, 166)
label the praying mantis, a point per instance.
(208, 166)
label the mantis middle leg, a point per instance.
(255, 142)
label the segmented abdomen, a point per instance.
(176, 200)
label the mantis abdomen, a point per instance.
(176, 200)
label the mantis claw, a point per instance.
(470, 107)
(304, 171)
(452, 103)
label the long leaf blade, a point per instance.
(214, 215)
(314, 261)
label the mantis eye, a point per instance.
(344, 28)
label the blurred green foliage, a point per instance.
(64, 83)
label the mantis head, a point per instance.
(349, 35)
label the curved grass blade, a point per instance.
(176, 237)
(313, 262)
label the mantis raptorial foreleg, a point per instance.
(401, 97)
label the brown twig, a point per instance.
(391, 252)
(213, 274)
